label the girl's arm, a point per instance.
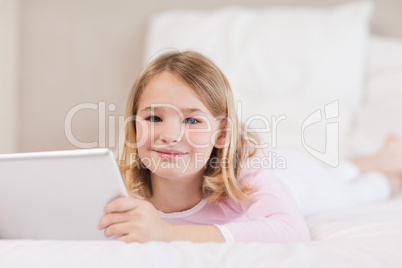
(196, 233)
(273, 215)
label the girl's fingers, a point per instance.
(121, 204)
(117, 229)
(124, 238)
(112, 218)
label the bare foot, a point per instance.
(387, 160)
(395, 182)
(390, 157)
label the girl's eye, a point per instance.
(154, 118)
(191, 121)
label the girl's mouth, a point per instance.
(169, 154)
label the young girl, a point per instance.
(192, 168)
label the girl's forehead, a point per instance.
(168, 90)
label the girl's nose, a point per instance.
(171, 133)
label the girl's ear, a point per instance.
(221, 137)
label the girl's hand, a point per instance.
(134, 220)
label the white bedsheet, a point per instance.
(365, 236)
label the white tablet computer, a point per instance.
(57, 195)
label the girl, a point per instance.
(192, 169)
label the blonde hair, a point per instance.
(212, 87)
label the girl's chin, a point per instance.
(174, 173)
(170, 173)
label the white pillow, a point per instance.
(382, 107)
(289, 61)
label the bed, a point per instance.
(364, 236)
(366, 78)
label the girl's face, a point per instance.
(175, 131)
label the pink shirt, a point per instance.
(271, 217)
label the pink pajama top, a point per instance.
(271, 217)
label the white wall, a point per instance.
(9, 57)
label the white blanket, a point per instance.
(367, 236)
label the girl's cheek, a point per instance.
(199, 140)
(142, 133)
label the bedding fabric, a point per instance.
(319, 188)
(367, 236)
